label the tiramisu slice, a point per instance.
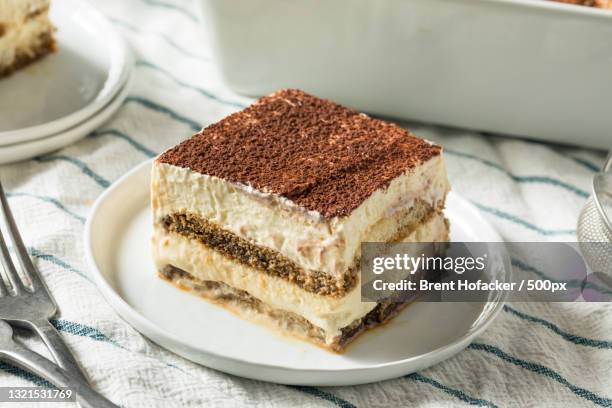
(264, 212)
(26, 34)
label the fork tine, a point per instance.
(22, 253)
(9, 268)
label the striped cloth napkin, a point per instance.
(556, 354)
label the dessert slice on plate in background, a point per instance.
(26, 34)
(265, 211)
(604, 4)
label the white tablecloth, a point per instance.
(532, 355)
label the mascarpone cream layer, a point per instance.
(329, 313)
(17, 10)
(315, 243)
(23, 39)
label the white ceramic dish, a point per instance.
(67, 87)
(531, 68)
(26, 150)
(118, 253)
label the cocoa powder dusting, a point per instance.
(322, 156)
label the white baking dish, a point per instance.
(529, 68)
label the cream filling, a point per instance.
(268, 220)
(18, 10)
(329, 313)
(23, 38)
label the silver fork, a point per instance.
(31, 361)
(30, 307)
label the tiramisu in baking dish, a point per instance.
(604, 4)
(26, 34)
(265, 211)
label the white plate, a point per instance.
(26, 150)
(117, 245)
(67, 87)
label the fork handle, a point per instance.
(60, 351)
(37, 364)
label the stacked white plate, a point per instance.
(68, 94)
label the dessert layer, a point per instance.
(264, 259)
(17, 11)
(274, 263)
(322, 156)
(287, 323)
(25, 43)
(316, 243)
(329, 313)
(604, 4)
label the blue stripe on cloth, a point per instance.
(327, 396)
(48, 200)
(544, 371)
(207, 94)
(519, 221)
(526, 267)
(78, 163)
(476, 158)
(521, 179)
(36, 253)
(585, 163)
(452, 391)
(92, 333)
(81, 330)
(149, 104)
(167, 39)
(24, 375)
(552, 182)
(572, 338)
(121, 135)
(174, 7)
